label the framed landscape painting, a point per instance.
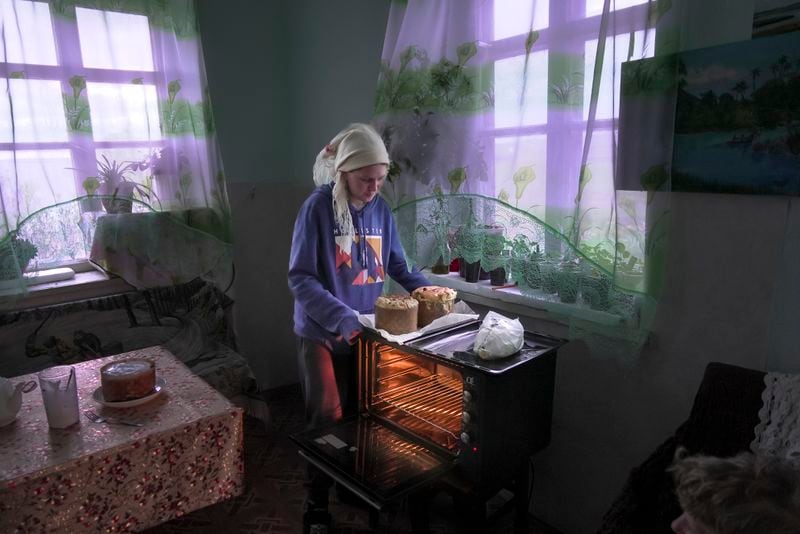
(737, 118)
(771, 17)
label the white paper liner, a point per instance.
(461, 313)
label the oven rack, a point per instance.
(383, 456)
(434, 400)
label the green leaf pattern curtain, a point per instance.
(513, 147)
(107, 143)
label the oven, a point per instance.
(431, 407)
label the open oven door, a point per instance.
(372, 460)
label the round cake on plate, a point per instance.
(397, 314)
(126, 380)
(434, 302)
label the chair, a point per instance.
(721, 423)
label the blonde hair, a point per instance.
(359, 145)
(744, 494)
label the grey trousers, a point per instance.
(328, 382)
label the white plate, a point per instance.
(98, 396)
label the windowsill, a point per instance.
(81, 286)
(512, 300)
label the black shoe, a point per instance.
(317, 522)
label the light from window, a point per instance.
(595, 7)
(521, 172)
(44, 178)
(513, 17)
(124, 112)
(509, 111)
(112, 40)
(595, 222)
(618, 48)
(27, 33)
(38, 112)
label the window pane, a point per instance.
(123, 112)
(42, 178)
(38, 112)
(513, 17)
(607, 106)
(112, 40)
(521, 172)
(509, 82)
(27, 33)
(595, 7)
(597, 195)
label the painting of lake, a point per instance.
(737, 124)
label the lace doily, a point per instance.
(778, 430)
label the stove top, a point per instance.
(456, 344)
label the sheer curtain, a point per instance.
(107, 145)
(519, 141)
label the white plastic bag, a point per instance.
(498, 337)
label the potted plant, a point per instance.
(469, 240)
(548, 267)
(595, 289)
(595, 284)
(116, 186)
(524, 262)
(15, 255)
(496, 253)
(568, 281)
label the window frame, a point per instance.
(568, 24)
(83, 147)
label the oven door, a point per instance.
(374, 461)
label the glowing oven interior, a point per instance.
(416, 393)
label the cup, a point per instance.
(60, 395)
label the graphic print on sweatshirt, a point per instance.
(364, 264)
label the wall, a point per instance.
(309, 75)
(728, 296)
(284, 77)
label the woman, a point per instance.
(344, 245)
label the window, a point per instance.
(80, 92)
(546, 137)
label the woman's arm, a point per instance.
(305, 281)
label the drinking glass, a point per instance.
(60, 395)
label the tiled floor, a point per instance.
(274, 493)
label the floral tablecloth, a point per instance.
(95, 476)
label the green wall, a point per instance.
(285, 76)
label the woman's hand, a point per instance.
(351, 339)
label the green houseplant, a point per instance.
(16, 254)
(116, 185)
(496, 254)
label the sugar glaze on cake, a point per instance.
(127, 379)
(434, 302)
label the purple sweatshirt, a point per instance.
(329, 283)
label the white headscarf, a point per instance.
(357, 146)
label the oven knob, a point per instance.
(466, 437)
(467, 417)
(467, 396)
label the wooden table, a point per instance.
(96, 476)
